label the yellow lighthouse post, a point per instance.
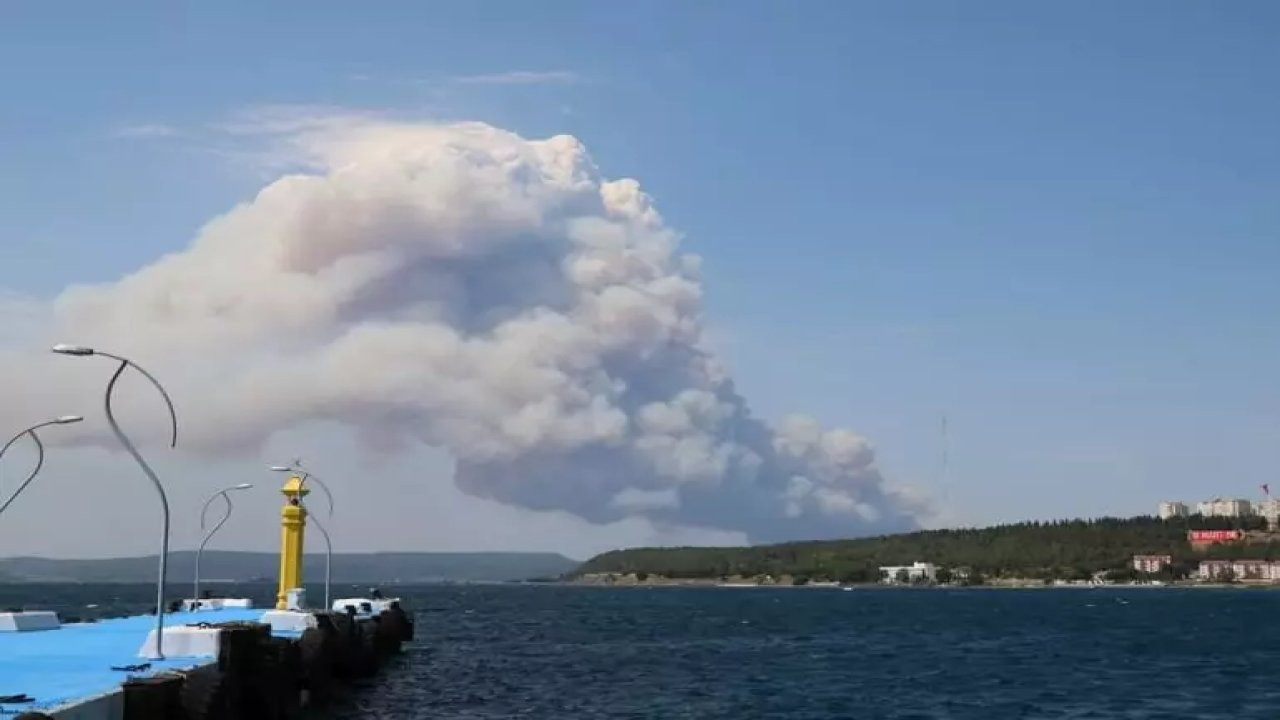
(293, 524)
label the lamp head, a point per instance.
(67, 419)
(281, 468)
(243, 486)
(67, 349)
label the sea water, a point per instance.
(805, 653)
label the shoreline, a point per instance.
(997, 585)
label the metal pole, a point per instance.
(200, 551)
(195, 591)
(155, 481)
(34, 471)
(328, 561)
(18, 437)
(328, 558)
(65, 420)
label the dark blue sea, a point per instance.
(806, 654)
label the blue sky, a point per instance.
(1055, 224)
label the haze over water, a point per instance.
(807, 654)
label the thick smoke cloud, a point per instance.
(464, 287)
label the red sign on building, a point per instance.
(1212, 537)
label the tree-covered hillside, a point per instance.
(1064, 549)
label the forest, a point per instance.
(1066, 549)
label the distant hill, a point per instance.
(1069, 549)
(388, 567)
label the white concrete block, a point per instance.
(29, 621)
(183, 641)
(206, 604)
(288, 620)
(363, 606)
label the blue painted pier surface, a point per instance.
(73, 663)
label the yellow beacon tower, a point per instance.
(293, 525)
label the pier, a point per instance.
(226, 664)
(205, 658)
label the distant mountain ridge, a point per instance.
(379, 567)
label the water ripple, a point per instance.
(810, 654)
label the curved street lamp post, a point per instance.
(296, 467)
(64, 420)
(223, 493)
(82, 351)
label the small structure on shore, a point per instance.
(915, 572)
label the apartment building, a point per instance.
(1225, 507)
(1151, 563)
(1268, 570)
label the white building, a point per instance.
(1173, 509)
(1269, 509)
(1267, 570)
(914, 572)
(1225, 507)
(1151, 564)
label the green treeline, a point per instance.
(1069, 549)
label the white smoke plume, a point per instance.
(463, 287)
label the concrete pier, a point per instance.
(237, 667)
(223, 659)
